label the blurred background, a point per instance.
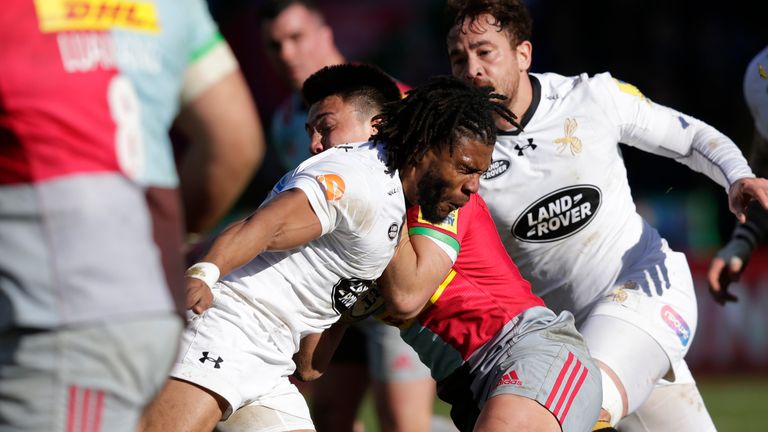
(688, 55)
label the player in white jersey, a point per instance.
(559, 195)
(319, 240)
(731, 260)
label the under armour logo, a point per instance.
(530, 145)
(215, 361)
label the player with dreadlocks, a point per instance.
(501, 358)
(318, 242)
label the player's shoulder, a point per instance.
(555, 86)
(756, 78)
(358, 165)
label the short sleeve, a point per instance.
(338, 193)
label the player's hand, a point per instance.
(199, 295)
(721, 275)
(726, 268)
(743, 191)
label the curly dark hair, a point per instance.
(511, 16)
(365, 86)
(435, 116)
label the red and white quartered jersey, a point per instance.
(361, 208)
(483, 291)
(558, 189)
(89, 209)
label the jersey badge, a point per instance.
(677, 324)
(333, 186)
(217, 361)
(347, 291)
(520, 149)
(393, 230)
(497, 168)
(510, 378)
(558, 215)
(450, 223)
(569, 140)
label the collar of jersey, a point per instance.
(535, 99)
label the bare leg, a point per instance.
(182, 407)
(508, 412)
(405, 406)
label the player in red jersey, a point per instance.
(500, 357)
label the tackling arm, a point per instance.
(285, 222)
(413, 275)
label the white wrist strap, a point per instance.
(205, 271)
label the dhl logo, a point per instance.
(96, 15)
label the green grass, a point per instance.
(736, 403)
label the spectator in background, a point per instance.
(298, 42)
(90, 216)
(731, 260)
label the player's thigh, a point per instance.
(634, 356)
(96, 378)
(507, 412)
(283, 409)
(404, 405)
(548, 362)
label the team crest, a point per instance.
(333, 185)
(569, 140)
(450, 223)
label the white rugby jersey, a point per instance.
(361, 209)
(558, 189)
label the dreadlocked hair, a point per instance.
(436, 116)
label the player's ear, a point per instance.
(373, 124)
(523, 51)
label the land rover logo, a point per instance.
(558, 215)
(497, 168)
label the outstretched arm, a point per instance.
(316, 351)
(731, 260)
(285, 222)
